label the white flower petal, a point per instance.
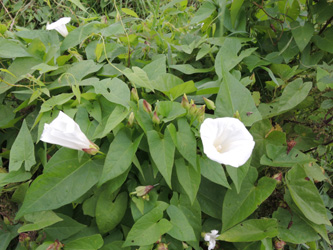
(64, 131)
(211, 238)
(226, 141)
(60, 26)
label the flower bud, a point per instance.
(185, 104)
(201, 113)
(253, 78)
(57, 245)
(162, 246)
(193, 110)
(279, 244)
(277, 177)
(6, 220)
(92, 150)
(131, 120)
(146, 107)
(143, 190)
(156, 119)
(210, 104)
(237, 115)
(24, 237)
(134, 95)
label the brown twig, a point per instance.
(10, 16)
(276, 19)
(326, 24)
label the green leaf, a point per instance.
(205, 49)
(325, 43)
(205, 11)
(186, 142)
(120, 155)
(109, 213)
(299, 232)
(213, 171)
(237, 175)
(284, 71)
(141, 116)
(11, 49)
(44, 68)
(165, 82)
(234, 97)
(22, 151)
(129, 12)
(148, 229)
(162, 151)
(182, 229)
(75, 73)
(20, 67)
(306, 196)
(189, 178)
(210, 197)
(156, 68)
(277, 157)
(230, 50)
(262, 135)
(64, 180)
(188, 69)
(170, 110)
(138, 78)
(99, 50)
(54, 101)
(320, 229)
(40, 220)
(251, 230)
(118, 114)
(234, 10)
(112, 30)
(78, 35)
(92, 242)
(238, 206)
(7, 233)
(184, 88)
(6, 115)
(293, 94)
(78, 4)
(302, 34)
(14, 176)
(64, 229)
(114, 90)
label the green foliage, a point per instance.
(133, 75)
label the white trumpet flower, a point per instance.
(59, 26)
(226, 141)
(64, 131)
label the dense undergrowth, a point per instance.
(139, 78)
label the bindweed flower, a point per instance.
(278, 177)
(60, 26)
(64, 131)
(185, 103)
(131, 119)
(134, 95)
(143, 190)
(201, 113)
(279, 244)
(156, 119)
(211, 238)
(147, 107)
(226, 141)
